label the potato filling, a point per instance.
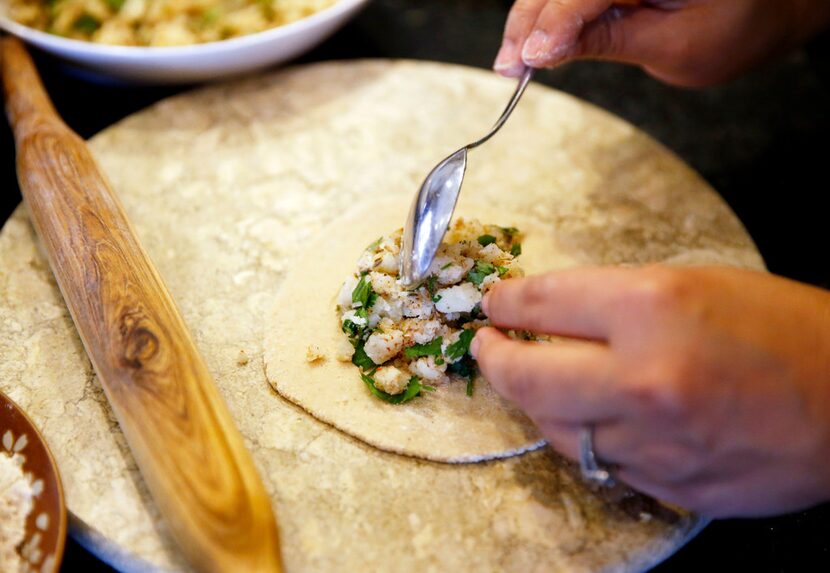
(406, 341)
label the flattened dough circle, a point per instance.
(445, 425)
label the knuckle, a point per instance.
(536, 290)
(657, 290)
(603, 37)
(663, 389)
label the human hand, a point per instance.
(709, 387)
(682, 42)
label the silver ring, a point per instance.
(592, 471)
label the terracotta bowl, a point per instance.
(46, 524)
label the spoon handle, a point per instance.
(511, 105)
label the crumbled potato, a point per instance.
(391, 380)
(314, 354)
(404, 336)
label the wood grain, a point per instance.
(176, 424)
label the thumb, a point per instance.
(655, 38)
(634, 35)
(644, 34)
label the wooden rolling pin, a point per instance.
(178, 428)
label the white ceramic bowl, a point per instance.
(199, 62)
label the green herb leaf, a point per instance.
(432, 284)
(479, 272)
(362, 293)
(431, 348)
(502, 271)
(471, 381)
(437, 298)
(448, 265)
(458, 349)
(485, 240)
(413, 389)
(516, 249)
(439, 361)
(373, 246)
(86, 24)
(353, 329)
(361, 359)
(510, 232)
(464, 367)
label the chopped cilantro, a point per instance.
(361, 359)
(432, 283)
(86, 24)
(471, 382)
(373, 246)
(431, 348)
(350, 328)
(485, 240)
(413, 389)
(477, 312)
(516, 249)
(510, 232)
(439, 361)
(464, 367)
(363, 295)
(448, 265)
(354, 330)
(502, 271)
(458, 349)
(479, 272)
(437, 298)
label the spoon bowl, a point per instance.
(435, 202)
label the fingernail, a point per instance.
(475, 344)
(536, 47)
(541, 49)
(507, 62)
(485, 304)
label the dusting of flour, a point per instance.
(15, 506)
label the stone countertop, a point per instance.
(756, 140)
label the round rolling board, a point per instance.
(225, 185)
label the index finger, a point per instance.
(565, 381)
(520, 21)
(572, 302)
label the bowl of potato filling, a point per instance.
(174, 41)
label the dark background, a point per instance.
(761, 141)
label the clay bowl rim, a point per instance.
(62, 530)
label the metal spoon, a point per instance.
(435, 202)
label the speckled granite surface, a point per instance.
(224, 185)
(761, 141)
